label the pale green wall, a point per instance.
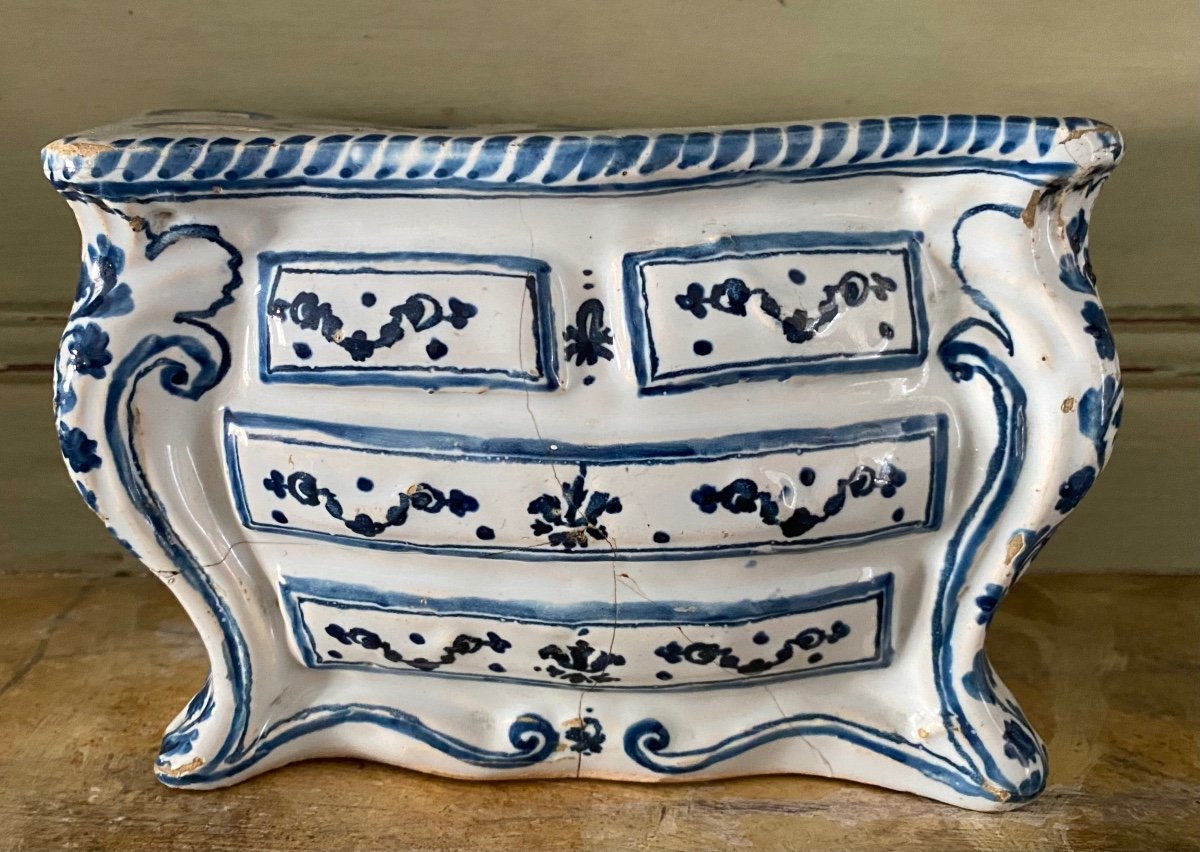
(68, 65)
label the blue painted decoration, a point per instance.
(190, 167)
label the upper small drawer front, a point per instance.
(407, 318)
(775, 305)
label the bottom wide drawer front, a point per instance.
(633, 645)
(525, 499)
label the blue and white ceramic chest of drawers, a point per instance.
(647, 455)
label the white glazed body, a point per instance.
(196, 397)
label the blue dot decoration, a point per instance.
(485, 533)
(761, 638)
(435, 349)
(416, 638)
(661, 537)
(807, 476)
(368, 300)
(898, 515)
(303, 350)
(587, 380)
(663, 675)
(279, 517)
(796, 276)
(702, 348)
(364, 484)
(337, 655)
(495, 667)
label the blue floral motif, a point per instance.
(573, 525)
(587, 736)
(1075, 269)
(580, 663)
(1074, 489)
(1097, 327)
(463, 645)
(589, 339)
(100, 294)
(988, 601)
(305, 490)
(744, 495)
(422, 311)
(733, 294)
(78, 448)
(1019, 744)
(807, 641)
(87, 348)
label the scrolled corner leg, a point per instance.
(1045, 356)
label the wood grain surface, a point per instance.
(93, 666)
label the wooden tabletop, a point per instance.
(93, 667)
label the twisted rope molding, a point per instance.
(145, 156)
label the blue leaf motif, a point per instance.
(99, 293)
(988, 602)
(1019, 744)
(1101, 409)
(1032, 785)
(979, 682)
(1073, 490)
(88, 495)
(1075, 269)
(1097, 327)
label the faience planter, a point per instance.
(656, 455)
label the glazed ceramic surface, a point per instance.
(651, 455)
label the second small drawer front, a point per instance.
(775, 305)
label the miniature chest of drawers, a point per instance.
(641, 455)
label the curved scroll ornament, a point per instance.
(1019, 772)
(189, 361)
